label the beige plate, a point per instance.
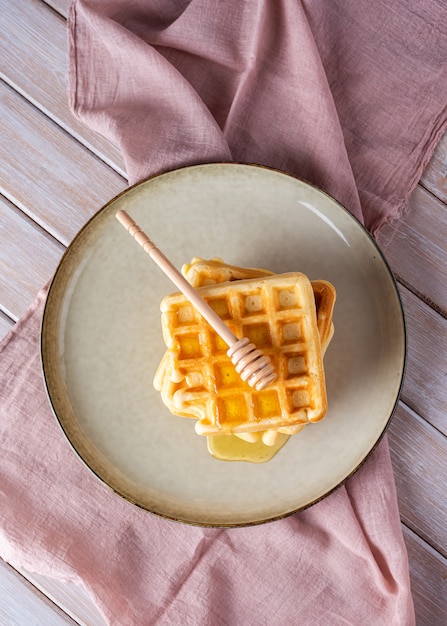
(101, 342)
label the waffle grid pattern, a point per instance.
(278, 315)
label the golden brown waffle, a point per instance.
(201, 272)
(277, 313)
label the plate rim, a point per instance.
(49, 303)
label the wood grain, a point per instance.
(418, 453)
(22, 604)
(61, 6)
(428, 574)
(34, 54)
(425, 384)
(418, 250)
(434, 177)
(53, 179)
(6, 323)
(28, 259)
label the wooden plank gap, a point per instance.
(51, 176)
(428, 575)
(434, 178)
(5, 327)
(61, 7)
(70, 596)
(424, 422)
(23, 603)
(6, 323)
(427, 546)
(14, 207)
(63, 126)
(402, 281)
(429, 190)
(8, 314)
(33, 217)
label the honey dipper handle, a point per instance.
(177, 278)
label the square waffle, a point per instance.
(277, 313)
(201, 272)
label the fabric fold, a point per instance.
(143, 569)
(169, 135)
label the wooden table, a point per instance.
(55, 174)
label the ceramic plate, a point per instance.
(102, 342)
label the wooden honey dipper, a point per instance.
(251, 364)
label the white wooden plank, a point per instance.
(418, 252)
(6, 323)
(61, 6)
(428, 575)
(425, 388)
(23, 605)
(419, 454)
(73, 599)
(34, 54)
(28, 259)
(48, 174)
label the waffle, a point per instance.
(201, 272)
(277, 313)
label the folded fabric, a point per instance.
(345, 94)
(350, 95)
(337, 562)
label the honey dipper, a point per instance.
(251, 364)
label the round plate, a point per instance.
(102, 342)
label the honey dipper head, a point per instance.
(251, 364)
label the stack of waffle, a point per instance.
(286, 316)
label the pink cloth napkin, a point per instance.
(348, 94)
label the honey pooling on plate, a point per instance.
(288, 317)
